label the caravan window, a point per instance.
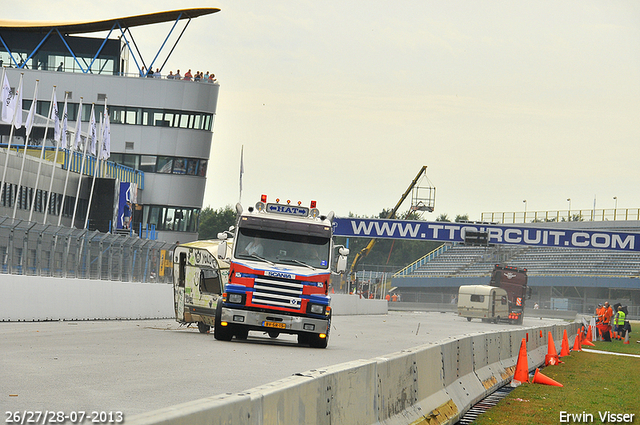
(477, 298)
(210, 281)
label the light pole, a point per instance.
(525, 211)
(615, 208)
(569, 212)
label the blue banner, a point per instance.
(498, 234)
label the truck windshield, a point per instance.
(282, 248)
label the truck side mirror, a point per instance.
(222, 236)
(529, 293)
(222, 249)
(341, 266)
(343, 251)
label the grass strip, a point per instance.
(595, 385)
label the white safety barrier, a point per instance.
(35, 298)
(434, 383)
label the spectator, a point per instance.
(197, 77)
(60, 67)
(178, 76)
(157, 74)
(170, 76)
(150, 74)
(206, 76)
(212, 78)
(188, 76)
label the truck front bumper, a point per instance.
(272, 321)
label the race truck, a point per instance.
(199, 278)
(514, 281)
(279, 273)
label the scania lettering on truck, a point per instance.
(514, 281)
(279, 273)
(199, 278)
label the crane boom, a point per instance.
(367, 249)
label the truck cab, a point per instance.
(280, 268)
(513, 280)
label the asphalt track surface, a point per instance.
(142, 365)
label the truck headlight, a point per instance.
(316, 309)
(235, 298)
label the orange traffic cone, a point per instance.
(565, 345)
(626, 337)
(576, 343)
(552, 355)
(589, 336)
(539, 378)
(522, 366)
(587, 342)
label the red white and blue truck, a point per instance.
(279, 273)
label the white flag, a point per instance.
(55, 118)
(76, 143)
(106, 137)
(28, 124)
(7, 96)
(17, 97)
(93, 133)
(64, 131)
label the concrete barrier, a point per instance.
(348, 305)
(35, 298)
(434, 383)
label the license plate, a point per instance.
(274, 325)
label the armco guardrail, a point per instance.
(435, 383)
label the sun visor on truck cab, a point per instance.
(306, 229)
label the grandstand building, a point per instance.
(161, 129)
(560, 278)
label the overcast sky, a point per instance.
(342, 102)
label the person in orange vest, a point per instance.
(394, 298)
(607, 314)
(599, 313)
(388, 297)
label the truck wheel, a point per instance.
(468, 319)
(304, 339)
(221, 333)
(317, 342)
(242, 333)
(203, 328)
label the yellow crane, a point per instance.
(418, 203)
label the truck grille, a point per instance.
(276, 292)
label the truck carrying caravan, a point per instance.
(199, 278)
(483, 302)
(281, 265)
(507, 304)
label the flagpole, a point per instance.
(84, 154)
(44, 141)
(71, 155)
(95, 169)
(241, 172)
(57, 142)
(13, 124)
(28, 125)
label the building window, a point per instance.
(165, 164)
